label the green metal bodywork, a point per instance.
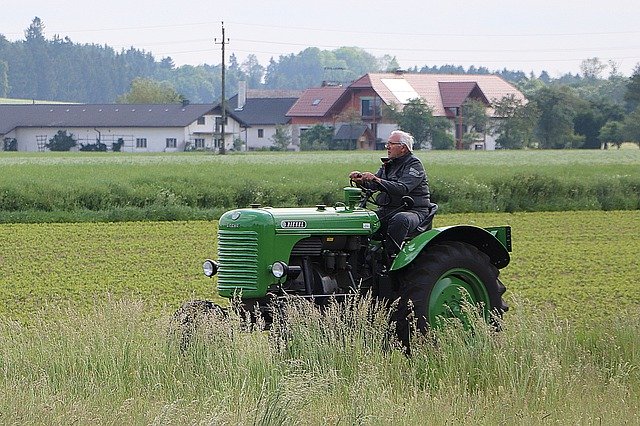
(494, 241)
(250, 240)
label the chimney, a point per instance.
(242, 94)
(185, 102)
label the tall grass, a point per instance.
(182, 186)
(119, 365)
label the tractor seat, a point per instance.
(426, 224)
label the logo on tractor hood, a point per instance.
(298, 224)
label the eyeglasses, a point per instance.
(388, 144)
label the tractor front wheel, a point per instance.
(439, 285)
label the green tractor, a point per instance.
(266, 255)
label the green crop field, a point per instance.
(85, 313)
(63, 187)
(580, 264)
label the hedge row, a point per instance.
(185, 200)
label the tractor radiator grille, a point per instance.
(238, 257)
(308, 247)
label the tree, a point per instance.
(558, 108)
(4, 79)
(316, 138)
(514, 123)
(612, 132)
(632, 95)
(282, 137)
(631, 126)
(253, 71)
(416, 117)
(592, 68)
(61, 141)
(474, 116)
(147, 91)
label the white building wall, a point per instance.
(156, 137)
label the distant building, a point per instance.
(141, 127)
(337, 106)
(259, 112)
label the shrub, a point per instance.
(61, 141)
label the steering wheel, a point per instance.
(367, 195)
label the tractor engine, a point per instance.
(298, 251)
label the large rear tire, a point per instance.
(440, 282)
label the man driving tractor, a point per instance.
(401, 174)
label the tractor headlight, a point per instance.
(279, 269)
(210, 267)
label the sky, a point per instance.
(532, 36)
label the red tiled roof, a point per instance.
(427, 87)
(454, 94)
(316, 102)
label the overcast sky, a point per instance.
(540, 35)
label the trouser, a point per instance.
(398, 226)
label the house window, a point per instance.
(199, 142)
(201, 120)
(141, 142)
(219, 122)
(261, 133)
(172, 142)
(370, 106)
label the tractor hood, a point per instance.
(309, 221)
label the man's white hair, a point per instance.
(405, 138)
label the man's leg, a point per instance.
(399, 226)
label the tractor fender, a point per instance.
(478, 237)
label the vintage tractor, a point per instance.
(329, 253)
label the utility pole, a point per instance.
(223, 105)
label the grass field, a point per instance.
(71, 187)
(583, 265)
(85, 307)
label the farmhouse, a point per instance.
(138, 127)
(258, 113)
(362, 100)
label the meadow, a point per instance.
(86, 305)
(73, 187)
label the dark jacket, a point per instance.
(401, 176)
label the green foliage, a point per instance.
(316, 138)
(10, 144)
(4, 79)
(632, 95)
(474, 115)
(117, 364)
(95, 147)
(73, 187)
(147, 91)
(61, 141)
(631, 126)
(117, 145)
(558, 109)
(416, 118)
(612, 133)
(516, 122)
(441, 139)
(282, 137)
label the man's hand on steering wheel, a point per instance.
(359, 177)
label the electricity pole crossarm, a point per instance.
(223, 103)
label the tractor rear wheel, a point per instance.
(440, 282)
